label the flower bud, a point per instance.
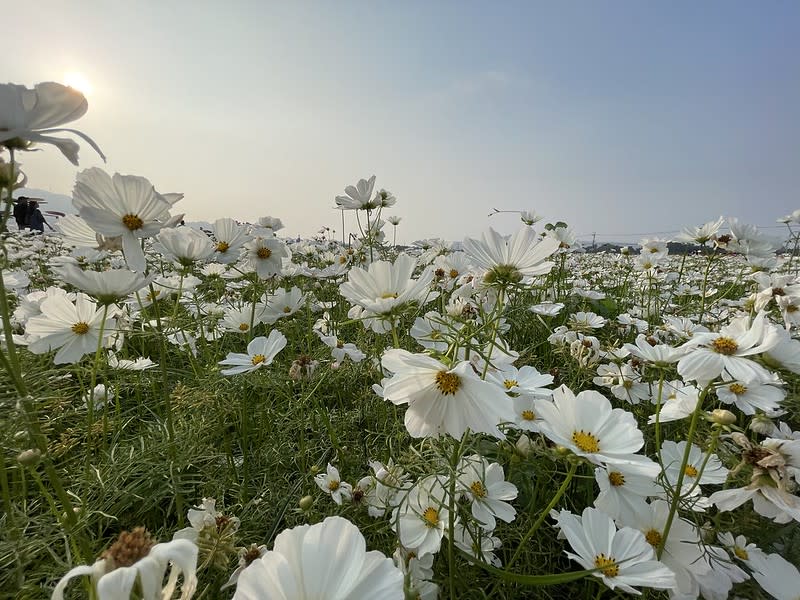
(29, 458)
(524, 446)
(306, 502)
(762, 424)
(721, 416)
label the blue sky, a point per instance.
(616, 117)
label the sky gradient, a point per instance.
(622, 117)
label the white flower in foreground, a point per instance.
(587, 425)
(624, 557)
(711, 354)
(776, 576)
(260, 352)
(422, 516)
(485, 485)
(327, 560)
(683, 552)
(442, 399)
(510, 261)
(72, 328)
(28, 115)
(123, 206)
(185, 245)
(106, 286)
(331, 483)
(623, 487)
(384, 286)
(134, 557)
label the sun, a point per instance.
(78, 81)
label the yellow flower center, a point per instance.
(453, 273)
(607, 565)
(258, 359)
(448, 383)
(690, 471)
(510, 383)
(653, 538)
(528, 415)
(737, 388)
(223, 247)
(586, 441)
(263, 253)
(724, 345)
(431, 517)
(627, 384)
(791, 308)
(741, 552)
(151, 296)
(478, 489)
(333, 485)
(80, 328)
(132, 222)
(388, 295)
(243, 326)
(287, 310)
(616, 478)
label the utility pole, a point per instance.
(594, 240)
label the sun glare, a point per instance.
(78, 81)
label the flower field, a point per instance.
(229, 413)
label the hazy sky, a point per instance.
(616, 117)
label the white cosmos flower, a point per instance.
(324, 561)
(526, 381)
(683, 552)
(625, 486)
(358, 196)
(106, 286)
(186, 245)
(751, 396)
(776, 576)
(547, 309)
(478, 543)
(139, 364)
(694, 472)
(72, 328)
(623, 557)
(260, 352)
(331, 483)
(341, 350)
(123, 206)
(230, 237)
(29, 114)
(265, 255)
(384, 286)
(114, 579)
(711, 354)
(485, 485)
(659, 354)
(421, 518)
(511, 261)
(442, 399)
(587, 425)
(678, 401)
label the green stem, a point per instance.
(544, 514)
(676, 493)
